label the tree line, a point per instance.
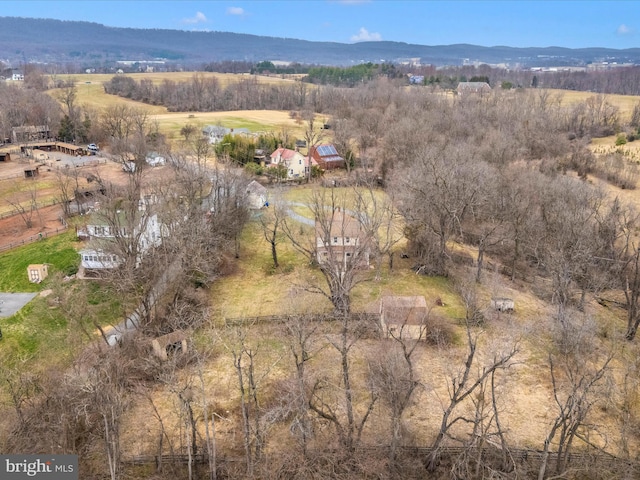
(206, 94)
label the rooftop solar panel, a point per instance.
(325, 150)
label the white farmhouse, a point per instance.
(102, 234)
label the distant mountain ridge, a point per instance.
(25, 40)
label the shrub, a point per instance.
(621, 140)
(440, 332)
(253, 168)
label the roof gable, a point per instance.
(340, 225)
(404, 310)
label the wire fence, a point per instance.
(272, 319)
(524, 459)
(47, 203)
(33, 238)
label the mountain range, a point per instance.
(30, 40)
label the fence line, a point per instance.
(33, 238)
(322, 317)
(519, 455)
(39, 205)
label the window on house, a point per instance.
(347, 240)
(348, 254)
(98, 230)
(335, 239)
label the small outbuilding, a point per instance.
(170, 344)
(256, 195)
(37, 272)
(5, 157)
(31, 172)
(502, 304)
(473, 88)
(404, 317)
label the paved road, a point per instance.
(296, 217)
(131, 323)
(10, 303)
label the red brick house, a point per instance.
(327, 157)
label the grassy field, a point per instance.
(158, 77)
(58, 251)
(256, 288)
(48, 330)
(255, 120)
(624, 102)
(90, 93)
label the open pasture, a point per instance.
(90, 93)
(254, 120)
(625, 103)
(158, 77)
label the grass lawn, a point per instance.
(57, 251)
(255, 288)
(47, 331)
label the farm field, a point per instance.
(624, 102)
(90, 92)
(254, 120)
(159, 77)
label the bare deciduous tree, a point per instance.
(464, 384)
(395, 379)
(577, 371)
(334, 401)
(313, 135)
(271, 222)
(339, 245)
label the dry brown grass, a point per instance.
(91, 94)
(255, 120)
(624, 102)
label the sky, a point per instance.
(572, 24)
